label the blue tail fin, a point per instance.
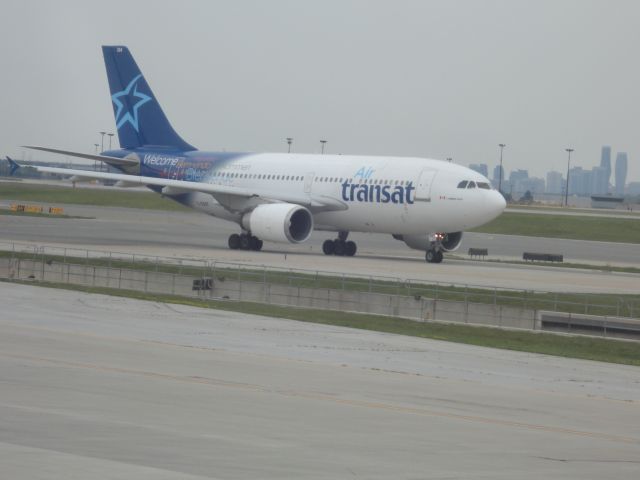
(139, 119)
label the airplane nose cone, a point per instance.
(498, 203)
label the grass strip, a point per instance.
(102, 197)
(598, 349)
(574, 227)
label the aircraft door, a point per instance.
(423, 187)
(308, 182)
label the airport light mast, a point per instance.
(566, 190)
(289, 141)
(322, 142)
(501, 145)
(102, 142)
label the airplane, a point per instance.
(284, 197)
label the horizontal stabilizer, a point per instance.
(13, 166)
(99, 158)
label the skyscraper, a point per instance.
(481, 168)
(605, 162)
(621, 172)
(496, 175)
(555, 182)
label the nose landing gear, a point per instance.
(433, 256)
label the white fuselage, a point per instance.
(379, 194)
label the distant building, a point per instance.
(633, 188)
(517, 175)
(481, 168)
(599, 181)
(621, 172)
(496, 176)
(579, 181)
(605, 162)
(555, 183)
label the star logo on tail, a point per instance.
(128, 102)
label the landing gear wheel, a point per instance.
(338, 247)
(438, 258)
(234, 241)
(245, 242)
(350, 248)
(430, 256)
(256, 244)
(327, 247)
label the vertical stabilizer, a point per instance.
(139, 118)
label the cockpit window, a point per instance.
(484, 185)
(471, 185)
(463, 184)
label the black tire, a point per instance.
(245, 242)
(350, 248)
(234, 241)
(327, 247)
(339, 247)
(255, 244)
(439, 257)
(430, 256)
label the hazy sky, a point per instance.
(414, 78)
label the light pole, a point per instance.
(501, 145)
(566, 190)
(289, 141)
(323, 143)
(110, 137)
(95, 162)
(102, 142)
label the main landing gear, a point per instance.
(244, 241)
(340, 246)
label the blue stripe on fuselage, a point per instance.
(192, 166)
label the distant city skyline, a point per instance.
(583, 181)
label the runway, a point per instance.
(95, 386)
(193, 235)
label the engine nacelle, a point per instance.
(279, 222)
(451, 241)
(448, 242)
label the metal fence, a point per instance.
(133, 271)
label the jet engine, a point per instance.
(279, 222)
(448, 242)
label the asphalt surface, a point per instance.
(194, 235)
(101, 387)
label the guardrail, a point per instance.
(478, 252)
(323, 280)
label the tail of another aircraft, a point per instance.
(139, 119)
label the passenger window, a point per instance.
(463, 184)
(471, 185)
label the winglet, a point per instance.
(13, 166)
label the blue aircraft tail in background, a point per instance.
(139, 119)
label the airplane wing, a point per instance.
(100, 158)
(315, 203)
